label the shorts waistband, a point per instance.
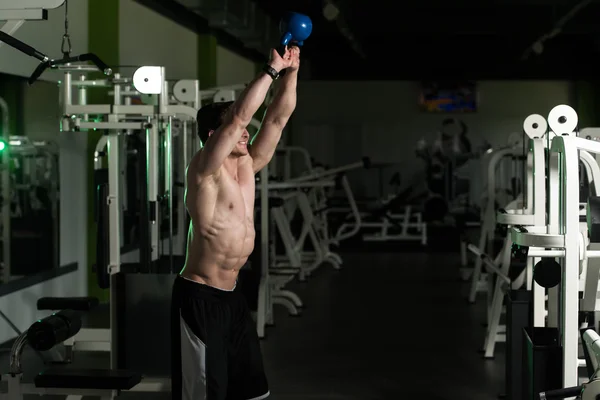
(192, 287)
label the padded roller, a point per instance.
(54, 329)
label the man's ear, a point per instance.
(210, 132)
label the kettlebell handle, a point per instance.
(285, 39)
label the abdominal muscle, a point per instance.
(219, 247)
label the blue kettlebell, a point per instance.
(295, 28)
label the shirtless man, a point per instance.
(215, 350)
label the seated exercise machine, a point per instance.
(568, 273)
(532, 218)
(44, 335)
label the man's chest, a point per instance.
(238, 190)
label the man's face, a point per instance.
(241, 147)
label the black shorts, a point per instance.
(215, 349)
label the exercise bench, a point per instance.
(43, 335)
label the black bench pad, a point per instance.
(101, 379)
(67, 303)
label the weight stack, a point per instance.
(518, 317)
(542, 361)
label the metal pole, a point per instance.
(114, 232)
(83, 96)
(152, 178)
(124, 159)
(120, 149)
(181, 212)
(67, 100)
(5, 165)
(169, 186)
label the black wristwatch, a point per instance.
(272, 72)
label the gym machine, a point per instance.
(127, 347)
(319, 202)
(116, 120)
(275, 274)
(531, 214)
(44, 335)
(279, 201)
(392, 226)
(320, 197)
(381, 223)
(565, 240)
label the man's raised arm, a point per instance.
(237, 118)
(277, 115)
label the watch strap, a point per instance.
(272, 72)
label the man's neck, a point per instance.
(231, 164)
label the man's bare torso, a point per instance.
(221, 234)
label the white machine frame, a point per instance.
(563, 238)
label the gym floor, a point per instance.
(389, 325)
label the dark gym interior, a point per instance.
(424, 227)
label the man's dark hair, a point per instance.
(210, 117)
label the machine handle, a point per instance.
(22, 47)
(557, 394)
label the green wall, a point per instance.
(207, 61)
